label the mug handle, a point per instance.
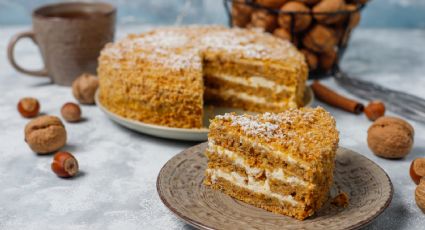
(11, 56)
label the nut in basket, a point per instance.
(319, 28)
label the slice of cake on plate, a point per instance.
(281, 162)
(165, 76)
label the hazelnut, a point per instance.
(311, 59)
(375, 110)
(64, 164)
(302, 21)
(390, 137)
(276, 4)
(420, 195)
(417, 169)
(328, 59)
(263, 19)
(282, 33)
(45, 134)
(320, 39)
(71, 112)
(28, 107)
(84, 88)
(329, 6)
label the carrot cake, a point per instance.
(280, 162)
(165, 76)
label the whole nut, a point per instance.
(327, 59)
(271, 3)
(241, 14)
(71, 112)
(263, 19)
(309, 2)
(375, 110)
(282, 33)
(329, 6)
(311, 59)
(302, 21)
(320, 39)
(45, 134)
(420, 195)
(390, 137)
(28, 107)
(354, 18)
(84, 88)
(64, 164)
(417, 169)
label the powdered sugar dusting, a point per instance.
(183, 47)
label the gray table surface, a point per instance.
(116, 186)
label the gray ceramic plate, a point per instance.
(180, 133)
(180, 187)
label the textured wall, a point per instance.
(379, 13)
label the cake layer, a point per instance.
(246, 85)
(278, 180)
(270, 201)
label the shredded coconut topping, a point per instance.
(182, 47)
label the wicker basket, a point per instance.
(321, 29)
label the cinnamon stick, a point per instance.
(332, 98)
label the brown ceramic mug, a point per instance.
(70, 37)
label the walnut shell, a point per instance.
(390, 137)
(263, 19)
(328, 59)
(301, 21)
(241, 14)
(329, 6)
(320, 39)
(276, 4)
(45, 134)
(282, 33)
(84, 88)
(309, 2)
(354, 18)
(311, 58)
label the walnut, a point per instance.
(320, 39)
(263, 19)
(328, 59)
(84, 88)
(311, 58)
(302, 21)
(275, 4)
(329, 6)
(45, 134)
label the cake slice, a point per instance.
(281, 162)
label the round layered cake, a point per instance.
(167, 75)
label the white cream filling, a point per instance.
(255, 99)
(277, 153)
(256, 81)
(277, 174)
(251, 184)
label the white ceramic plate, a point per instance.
(181, 133)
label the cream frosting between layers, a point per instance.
(256, 81)
(252, 98)
(277, 174)
(251, 184)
